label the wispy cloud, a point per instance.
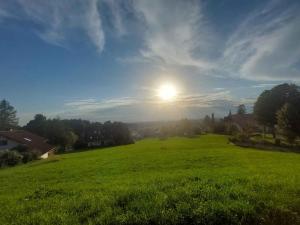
(87, 105)
(176, 34)
(265, 46)
(54, 21)
(264, 85)
(174, 30)
(57, 19)
(118, 14)
(152, 108)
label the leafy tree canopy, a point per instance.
(270, 101)
(288, 118)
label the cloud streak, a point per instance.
(173, 31)
(59, 22)
(152, 108)
(266, 45)
(56, 19)
(176, 34)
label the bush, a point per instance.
(240, 137)
(20, 148)
(29, 156)
(10, 158)
(232, 129)
(277, 142)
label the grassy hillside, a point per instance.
(201, 180)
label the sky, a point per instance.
(105, 59)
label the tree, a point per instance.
(8, 117)
(212, 118)
(207, 123)
(58, 133)
(68, 139)
(270, 101)
(212, 126)
(38, 125)
(241, 110)
(288, 118)
(229, 115)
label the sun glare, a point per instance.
(167, 92)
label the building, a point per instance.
(244, 122)
(32, 142)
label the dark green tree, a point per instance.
(270, 101)
(8, 117)
(58, 133)
(38, 125)
(288, 118)
(69, 138)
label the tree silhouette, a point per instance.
(8, 117)
(38, 125)
(241, 110)
(288, 118)
(270, 101)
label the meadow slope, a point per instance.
(202, 180)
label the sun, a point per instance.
(167, 92)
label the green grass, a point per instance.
(201, 180)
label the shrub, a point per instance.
(240, 137)
(277, 142)
(29, 156)
(20, 148)
(26, 154)
(10, 158)
(232, 129)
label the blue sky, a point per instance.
(104, 59)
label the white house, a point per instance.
(33, 143)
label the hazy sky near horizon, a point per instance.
(104, 59)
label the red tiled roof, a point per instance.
(32, 141)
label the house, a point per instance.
(243, 121)
(33, 142)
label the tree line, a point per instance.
(77, 133)
(68, 133)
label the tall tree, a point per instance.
(241, 110)
(288, 118)
(8, 118)
(38, 125)
(270, 101)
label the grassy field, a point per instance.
(200, 180)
